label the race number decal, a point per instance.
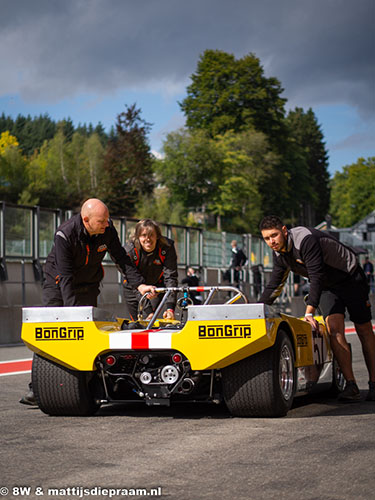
(319, 347)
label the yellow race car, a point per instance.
(249, 355)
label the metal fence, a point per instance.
(28, 232)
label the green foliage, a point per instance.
(191, 169)
(308, 137)
(248, 161)
(63, 173)
(32, 132)
(229, 94)
(232, 96)
(219, 176)
(353, 192)
(13, 174)
(128, 163)
(159, 206)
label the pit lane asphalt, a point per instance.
(322, 450)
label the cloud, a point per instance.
(364, 141)
(322, 51)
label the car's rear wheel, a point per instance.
(61, 391)
(262, 385)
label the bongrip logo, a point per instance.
(61, 333)
(224, 332)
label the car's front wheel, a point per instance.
(262, 385)
(61, 391)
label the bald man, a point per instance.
(73, 269)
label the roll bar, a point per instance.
(185, 301)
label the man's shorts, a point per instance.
(352, 294)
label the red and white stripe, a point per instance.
(15, 367)
(146, 339)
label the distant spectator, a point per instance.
(238, 260)
(192, 280)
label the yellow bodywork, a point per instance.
(79, 352)
(206, 343)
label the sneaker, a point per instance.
(371, 392)
(350, 393)
(29, 399)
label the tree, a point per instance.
(32, 132)
(305, 131)
(94, 155)
(159, 206)
(13, 174)
(191, 169)
(7, 141)
(49, 174)
(353, 192)
(248, 161)
(229, 94)
(63, 173)
(220, 177)
(128, 162)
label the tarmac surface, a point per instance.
(322, 450)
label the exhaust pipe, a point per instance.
(187, 385)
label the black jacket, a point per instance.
(75, 260)
(315, 255)
(158, 268)
(238, 258)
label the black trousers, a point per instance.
(85, 295)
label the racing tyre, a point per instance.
(262, 385)
(61, 391)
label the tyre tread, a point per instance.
(61, 391)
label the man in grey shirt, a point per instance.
(337, 283)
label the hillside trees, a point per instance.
(353, 192)
(64, 173)
(32, 132)
(13, 176)
(57, 165)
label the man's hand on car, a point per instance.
(309, 317)
(149, 289)
(169, 314)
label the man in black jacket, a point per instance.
(73, 269)
(155, 258)
(337, 283)
(238, 259)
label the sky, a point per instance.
(88, 59)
